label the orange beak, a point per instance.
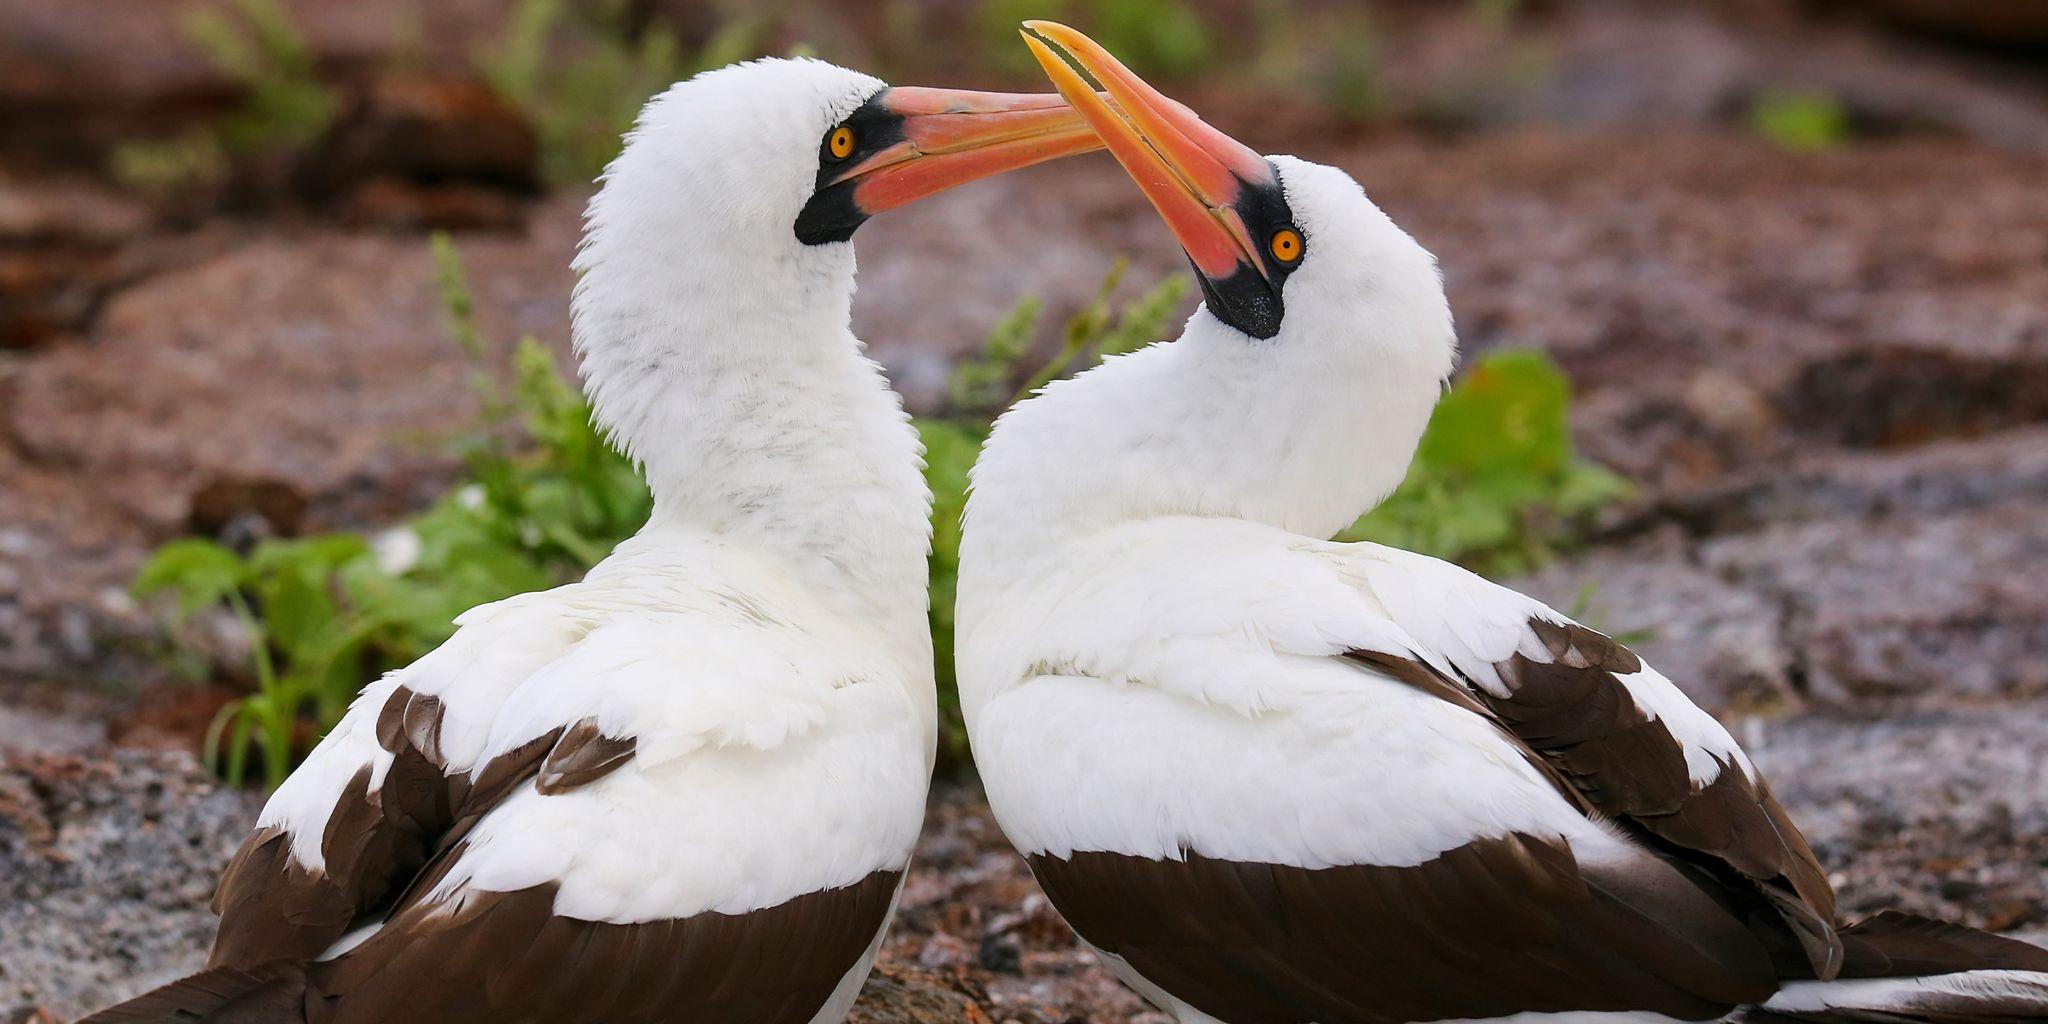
(947, 137)
(1192, 173)
(1218, 196)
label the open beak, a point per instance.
(946, 137)
(1200, 180)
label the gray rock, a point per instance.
(107, 864)
(1934, 479)
(1909, 609)
(1939, 813)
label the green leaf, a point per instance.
(201, 573)
(1495, 484)
(1800, 122)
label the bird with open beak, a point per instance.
(1278, 780)
(685, 788)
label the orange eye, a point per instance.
(840, 145)
(1286, 245)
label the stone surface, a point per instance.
(1864, 579)
(1908, 610)
(62, 252)
(106, 868)
(1943, 813)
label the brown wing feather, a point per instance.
(1574, 713)
(271, 906)
(582, 756)
(1495, 927)
(380, 845)
(272, 993)
(485, 957)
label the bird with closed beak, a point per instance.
(1274, 779)
(685, 788)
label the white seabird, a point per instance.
(1279, 780)
(685, 788)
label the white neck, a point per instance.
(724, 362)
(1215, 424)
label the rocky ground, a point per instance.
(1828, 374)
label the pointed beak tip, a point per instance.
(1192, 173)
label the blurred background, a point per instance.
(1753, 296)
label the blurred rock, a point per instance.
(1894, 396)
(106, 867)
(314, 359)
(51, 719)
(241, 510)
(1998, 23)
(411, 206)
(66, 557)
(60, 256)
(1930, 480)
(425, 130)
(75, 79)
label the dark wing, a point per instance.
(374, 840)
(1494, 927)
(1577, 712)
(379, 839)
(1628, 741)
(486, 957)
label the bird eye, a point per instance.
(840, 143)
(1286, 245)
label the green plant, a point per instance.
(543, 498)
(255, 44)
(583, 71)
(1332, 53)
(1496, 484)
(982, 387)
(284, 106)
(193, 157)
(1800, 122)
(1167, 38)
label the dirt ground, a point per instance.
(1827, 373)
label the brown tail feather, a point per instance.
(1949, 999)
(1896, 945)
(272, 993)
(1903, 969)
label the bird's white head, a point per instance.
(721, 230)
(1298, 391)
